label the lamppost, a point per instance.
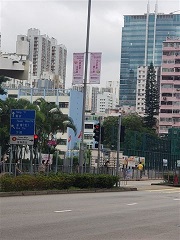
(81, 152)
(118, 144)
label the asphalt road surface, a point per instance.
(148, 214)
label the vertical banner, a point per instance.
(78, 68)
(95, 68)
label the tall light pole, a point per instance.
(81, 152)
(118, 144)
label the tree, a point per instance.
(133, 124)
(151, 98)
(49, 119)
(2, 79)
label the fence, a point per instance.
(124, 173)
(154, 160)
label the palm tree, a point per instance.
(50, 119)
(3, 79)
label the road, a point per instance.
(148, 214)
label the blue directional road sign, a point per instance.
(22, 122)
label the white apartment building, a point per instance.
(45, 54)
(114, 86)
(16, 67)
(105, 101)
(141, 88)
(95, 92)
(68, 101)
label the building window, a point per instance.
(88, 136)
(63, 104)
(166, 110)
(88, 126)
(61, 141)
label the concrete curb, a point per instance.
(166, 184)
(49, 192)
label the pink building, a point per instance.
(169, 115)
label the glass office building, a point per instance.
(142, 38)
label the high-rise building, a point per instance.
(142, 37)
(105, 101)
(45, 54)
(169, 115)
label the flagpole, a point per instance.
(81, 150)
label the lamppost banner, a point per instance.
(78, 68)
(95, 68)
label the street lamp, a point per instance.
(118, 144)
(81, 152)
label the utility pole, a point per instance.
(99, 145)
(118, 144)
(81, 152)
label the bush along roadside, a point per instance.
(56, 181)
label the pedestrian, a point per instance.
(42, 167)
(17, 170)
(140, 168)
(107, 165)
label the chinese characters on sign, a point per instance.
(22, 126)
(78, 68)
(19, 126)
(95, 68)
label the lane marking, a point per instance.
(176, 199)
(62, 211)
(166, 190)
(131, 204)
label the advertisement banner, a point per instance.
(95, 68)
(47, 158)
(131, 162)
(78, 68)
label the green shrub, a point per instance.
(55, 181)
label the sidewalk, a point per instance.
(142, 184)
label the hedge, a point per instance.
(56, 181)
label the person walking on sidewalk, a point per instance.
(140, 167)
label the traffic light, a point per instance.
(96, 132)
(36, 139)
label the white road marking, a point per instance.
(176, 199)
(166, 190)
(131, 204)
(62, 211)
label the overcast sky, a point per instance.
(67, 21)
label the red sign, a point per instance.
(52, 142)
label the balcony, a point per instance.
(171, 73)
(167, 90)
